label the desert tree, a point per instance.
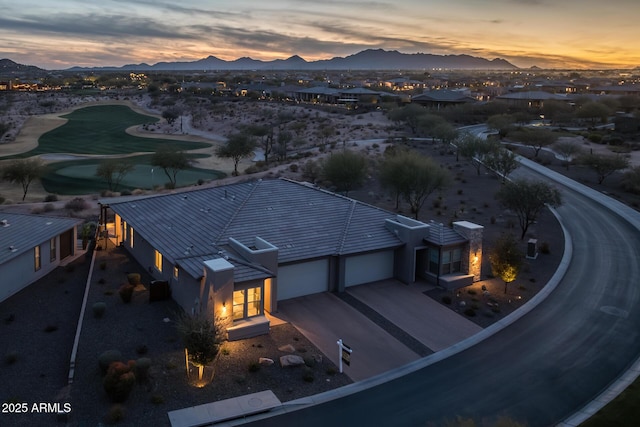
(282, 146)
(113, 171)
(23, 171)
(171, 161)
(527, 199)
(201, 338)
(537, 139)
(265, 135)
(594, 112)
(501, 123)
(409, 114)
(631, 180)
(171, 115)
(238, 146)
(502, 162)
(445, 132)
(475, 149)
(345, 169)
(392, 172)
(506, 259)
(424, 177)
(604, 165)
(568, 150)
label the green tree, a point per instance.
(475, 149)
(409, 114)
(392, 172)
(567, 150)
(502, 162)
(593, 111)
(23, 171)
(527, 199)
(445, 132)
(171, 115)
(171, 161)
(346, 170)
(506, 259)
(201, 337)
(537, 139)
(238, 146)
(604, 165)
(423, 178)
(113, 171)
(501, 123)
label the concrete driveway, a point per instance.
(325, 318)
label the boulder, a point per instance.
(291, 360)
(265, 361)
(287, 348)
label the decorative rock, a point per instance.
(291, 360)
(265, 361)
(462, 303)
(287, 348)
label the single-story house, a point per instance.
(441, 98)
(31, 247)
(233, 252)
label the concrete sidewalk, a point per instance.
(324, 318)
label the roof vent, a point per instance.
(4, 223)
(12, 248)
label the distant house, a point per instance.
(438, 99)
(31, 247)
(235, 251)
(531, 99)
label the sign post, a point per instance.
(344, 354)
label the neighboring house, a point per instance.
(31, 247)
(531, 99)
(234, 251)
(438, 99)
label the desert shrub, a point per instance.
(254, 367)
(133, 278)
(48, 207)
(293, 167)
(115, 415)
(446, 299)
(125, 193)
(544, 248)
(470, 312)
(331, 370)
(126, 293)
(472, 292)
(157, 399)
(107, 358)
(10, 357)
(307, 375)
(98, 309)
(51, 328)
(142, 369)
(119, 381)
(309, 361)
(77, 204)
(142, 349)
(251, 170)
(51, 198)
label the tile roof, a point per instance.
(440, 235)
(302, 221)
(23, 232)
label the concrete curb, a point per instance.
(76, 341)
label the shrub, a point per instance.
(48, 207)
(331, 370)
(309, 361)
(115, 415)
(51, 198)
(119, 381)
(446, 299)
(471, 292)
(307, 375)
(10, 358)
(544, 248)
(50, 328)
(77, 204)
(293, 167)
(126, 293)
(142, 349)
(254, 367)
(142, 369)
(133, 279)
(470, 312)
(98, 309)
(103, 265)
(157, 399)
(107, 358)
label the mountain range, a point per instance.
(371, 59)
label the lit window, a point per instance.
(36, 258)
(158, 261)
(175, 272)
(131, 238)
(124, 230)
(52, 250)
(247, 303)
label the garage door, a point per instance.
(368, 268)
(303, 279)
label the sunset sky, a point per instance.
(546, 33)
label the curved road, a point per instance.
(540, 369)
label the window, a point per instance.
(175, 272)
(124, 230)
(158, 260)
(36, 258)
(451, 261)
(131, 238)
(247, 303)
(52, 250)
(434, 261)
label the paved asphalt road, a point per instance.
(539, 370)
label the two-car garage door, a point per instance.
(313, 277)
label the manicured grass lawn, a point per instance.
(621, 412)
(101, 130)
(78, 176)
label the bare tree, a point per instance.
(24, 171)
